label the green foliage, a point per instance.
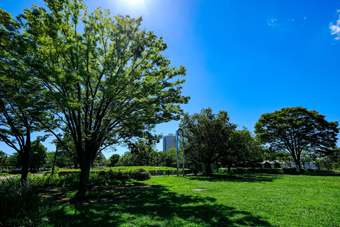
(290, 170)
(277, 165)
(251, 170)
(114, 159)
(168, 158)
(267, 165)
(244, 149)
(137, 174)
(207, 136)
(295, 129)
(20, 204)
(3, 158)
(285, 158)
(144, 149)
(106, 84)
(38, 154)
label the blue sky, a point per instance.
(245, 57)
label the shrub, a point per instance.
(267, 165)
(251, 170)
(20, 204)
(140, 174)
(277, 165)
(137, 174)
(242, 170)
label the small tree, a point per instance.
(295, 129)
(114, 159)
(38, 154)
(168, 158)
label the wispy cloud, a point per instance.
(273, 22)
(335, 29)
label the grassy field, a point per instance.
(236, 200)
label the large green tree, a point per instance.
(20, 96)
(207, 136)
(38, 155)
(295, 129)
(242, 149)
(105, 77)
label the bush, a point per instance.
(20, 204)
(137, 174)
(267, 165)
(140, 174)
(251, 170)
(292, 170)
(277, 165)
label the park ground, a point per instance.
(226, 200)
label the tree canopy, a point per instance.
(38, 154)
(114, 159)
(207, 136)
(295, 129)
(103, 78)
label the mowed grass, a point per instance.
(227, 200)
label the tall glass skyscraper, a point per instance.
(169, 141)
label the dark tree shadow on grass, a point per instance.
(154, 206)
(255, 178)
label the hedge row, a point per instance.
(137, 174)
(152, 172)
(291, 170)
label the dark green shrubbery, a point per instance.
(137, 174)
(290, 170)
(267, 165)
(251, 170)
(277, 165)
(20, 205)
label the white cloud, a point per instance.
(305, 18)
(272, 22)
(335, 29)
(293, 19)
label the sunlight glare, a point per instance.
(134, 2)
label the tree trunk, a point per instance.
(25, 155)
(24, 169)
(208, 169)
(297, 163)
(84, 175)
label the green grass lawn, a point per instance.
(236, 200)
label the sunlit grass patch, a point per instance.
(229, 200)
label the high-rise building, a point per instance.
(169, 141)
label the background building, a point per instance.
(169, 141)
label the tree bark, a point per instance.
(84, 175)
(24, 170)
(297, 163)
(208, 169)
(25, 157)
